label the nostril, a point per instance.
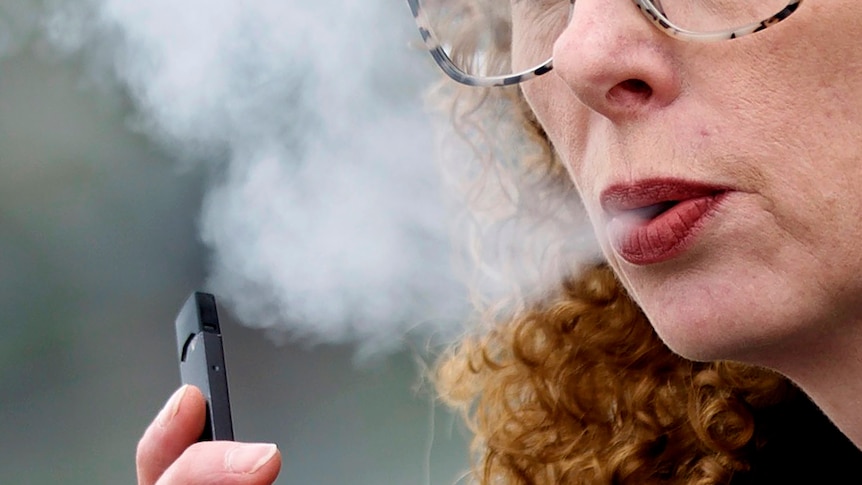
(630, 90)
(637, 86)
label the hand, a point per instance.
(168, 452)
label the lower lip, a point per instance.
(665, 237)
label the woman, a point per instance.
(714, 147)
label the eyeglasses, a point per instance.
(503, 42)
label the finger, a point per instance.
(178, 426)
(225, 463)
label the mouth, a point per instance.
(651, 211)
(656, 220)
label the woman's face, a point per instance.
(723, 179)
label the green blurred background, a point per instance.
(99, 247)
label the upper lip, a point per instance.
(620, 198)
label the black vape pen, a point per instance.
(199, 346)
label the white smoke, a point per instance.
(323, 216)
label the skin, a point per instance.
(167, 452)
(773, 278)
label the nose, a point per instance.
(614, 61)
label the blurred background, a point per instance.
(112, 212)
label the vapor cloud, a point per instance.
(323, 216)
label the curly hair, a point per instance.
(580, 390)
(568, 383)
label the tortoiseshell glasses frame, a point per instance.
(649, 9)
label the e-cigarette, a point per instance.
(199, 344)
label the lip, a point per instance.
(656, 220)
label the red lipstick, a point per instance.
(656, 220)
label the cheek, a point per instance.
(567, 124)
(564, 119)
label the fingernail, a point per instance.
(172, 407)
(249, 458)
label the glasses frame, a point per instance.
(647, 8)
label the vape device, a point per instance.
(199, 346)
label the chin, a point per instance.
(694, 336)
(717, 319)
(748, 296)
(703, 348)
